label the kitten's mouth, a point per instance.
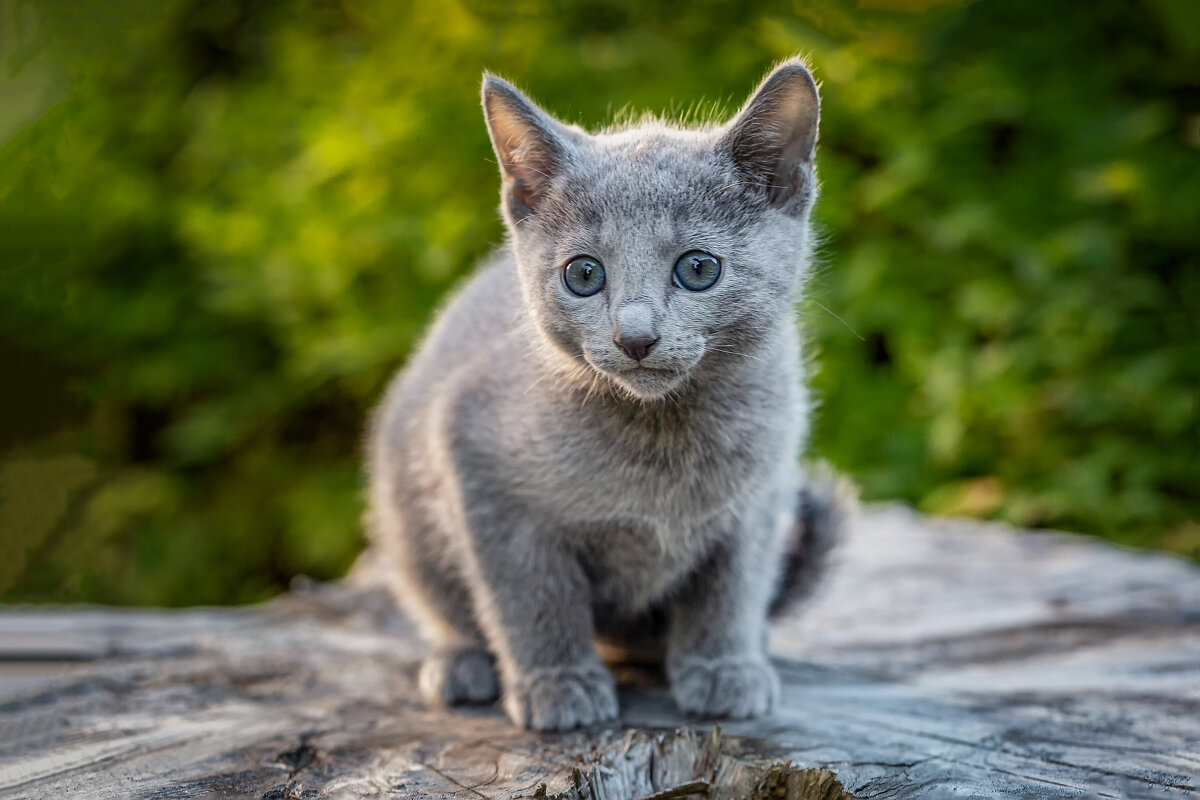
(640, 371)
(645, 382)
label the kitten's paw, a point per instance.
(455, 675)
(561, 698)
(733, 687)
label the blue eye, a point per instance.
(584, 276)
(697, 270)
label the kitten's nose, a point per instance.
(636, 347)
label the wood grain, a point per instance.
(943, 659)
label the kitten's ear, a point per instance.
(773, 137)
(532, 146)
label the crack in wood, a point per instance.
(298, 757)
(451, 779)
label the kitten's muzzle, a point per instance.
(636, 347)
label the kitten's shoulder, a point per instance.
(489, 300)
(470, 335)
(478, 315)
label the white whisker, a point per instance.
(839, 319)
(732, 352)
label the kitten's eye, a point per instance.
(584, 276)
(697, 270)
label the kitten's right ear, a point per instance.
(532, 146)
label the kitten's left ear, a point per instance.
(773, 137)
(531, 145)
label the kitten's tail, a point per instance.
(824, 505)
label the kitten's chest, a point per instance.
(632, 564)
(673, 465)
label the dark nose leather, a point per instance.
(636, 347)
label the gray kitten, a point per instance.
(599, 437)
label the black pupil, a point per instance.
(698, 265)
(587, 271)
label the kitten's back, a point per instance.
(477, 327)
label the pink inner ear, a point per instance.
(509, 129)
(528, 153)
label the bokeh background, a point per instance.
(224, 224)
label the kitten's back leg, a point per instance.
(453, 675)
(460, 669)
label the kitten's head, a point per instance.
(648, 251)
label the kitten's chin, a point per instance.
(647, 384)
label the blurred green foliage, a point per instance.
(223, 224)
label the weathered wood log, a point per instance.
(944, 658)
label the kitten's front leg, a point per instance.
(534, 605)
(717, 643)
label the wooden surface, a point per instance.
(943, 659)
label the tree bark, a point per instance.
(942, 658)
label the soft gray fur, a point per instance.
(536, 487)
